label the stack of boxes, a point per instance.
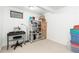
(75, 39)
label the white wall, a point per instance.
(59, 24)
(10, 23)
(1, 26)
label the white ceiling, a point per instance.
(45, 9)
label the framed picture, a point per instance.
(16, 14)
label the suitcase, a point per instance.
(76, 27)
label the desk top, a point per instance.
(15, 33)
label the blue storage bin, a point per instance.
(75, 41)
(74, 35)
(73, 49)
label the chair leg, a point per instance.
(17, 44)
(15, 47)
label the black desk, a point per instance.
(12, 35)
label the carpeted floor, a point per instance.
(42, 46)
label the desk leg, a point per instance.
(7, 42)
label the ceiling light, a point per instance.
(33, 7)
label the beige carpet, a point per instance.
(42, 46)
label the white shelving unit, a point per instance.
(38, 33)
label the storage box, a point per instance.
(74, 31)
